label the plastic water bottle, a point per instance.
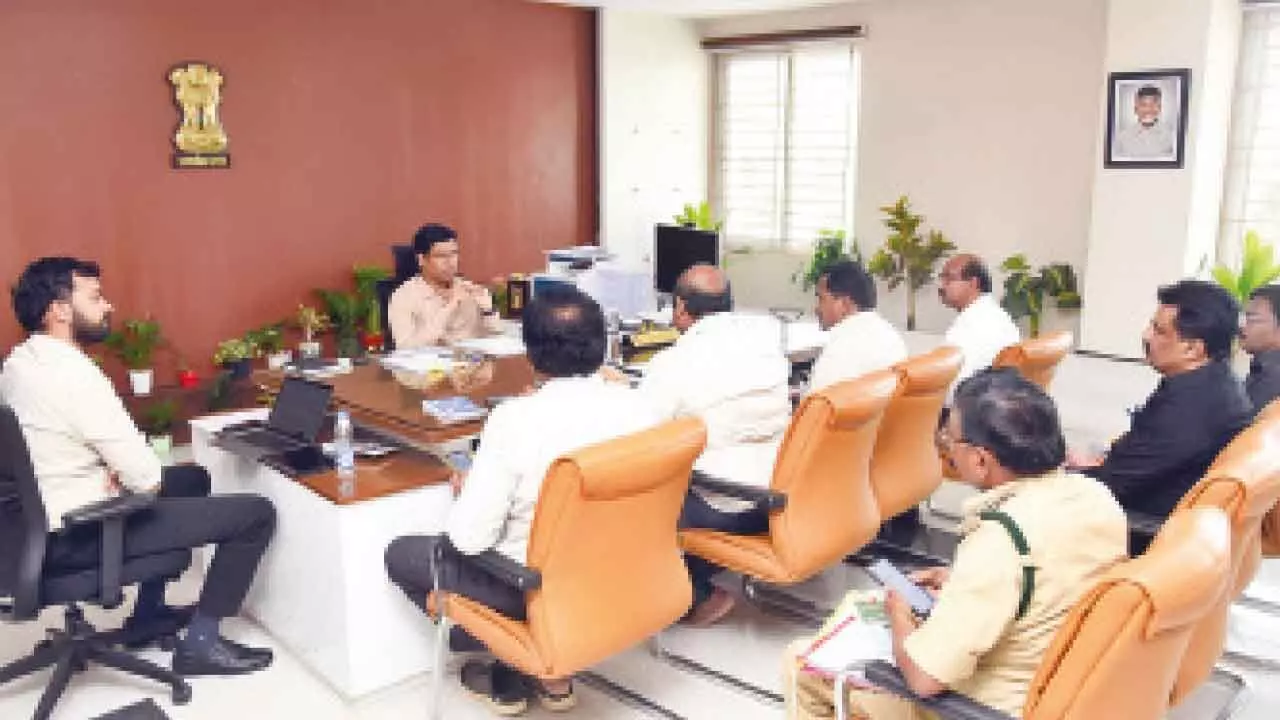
(344, 454)
(613, 333)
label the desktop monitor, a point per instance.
(676, 249)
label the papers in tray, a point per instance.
(495, 346)
(856, 634)
(453, 409)
(420, 361)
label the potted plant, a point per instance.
(698, 216)
(234, 355)
(268, 342)
(1025, 289)
(159, 420)
(135, 344)
(343, 309)
(311, 322)
(1257, 268)
(907, 256)
(828, 250)
(367, 278)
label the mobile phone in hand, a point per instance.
(892, 578)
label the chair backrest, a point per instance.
(1243, 482)
(604, 539)
(823, 467)
(1271, 523)
(1118, 652)
(23, 524)
(905, 467)
(1038, 358)
(404, 263)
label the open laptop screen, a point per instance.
(300, 408)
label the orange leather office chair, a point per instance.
(1118, 652)
(1271, 523)
(604, 569)
(1037, 358)
(823, 504)
(1243, 482)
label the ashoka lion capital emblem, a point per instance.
(200, 139)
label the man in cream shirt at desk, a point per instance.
(983, 328)
(860, 340)
(729, 370)
(439, 307)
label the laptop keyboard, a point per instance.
(268, 440)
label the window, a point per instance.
(1252, 200)
(785, 135)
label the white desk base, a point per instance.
(322, 590)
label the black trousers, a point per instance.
(699, 514)
(184, 517)
(408, 562)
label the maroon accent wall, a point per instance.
(351, 122)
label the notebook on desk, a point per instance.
(295, 421)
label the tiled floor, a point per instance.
(1093, 396)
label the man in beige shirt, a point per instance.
(989, 628)
(85, 448)
(438, 307)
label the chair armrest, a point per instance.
(765, 498)
(948, 705)
(110, 514)
(111, 508)
(507, 570)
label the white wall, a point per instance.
(984, 112)
(653, 90)
(1152, 227)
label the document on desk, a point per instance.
(856, 634)
(419, 361)
(495, 346)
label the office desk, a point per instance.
(322, 590)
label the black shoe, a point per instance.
(216, 658)
(154, 627)
(504, 690)
(245, 651)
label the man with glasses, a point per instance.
(983, 328)
(439, 307)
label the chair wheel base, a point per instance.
(181, 694)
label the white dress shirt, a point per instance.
(77, 429)
(859, 344)
(729, 370)
(981, 331)
(520, 441)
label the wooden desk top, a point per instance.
(405, 470)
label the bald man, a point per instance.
(729, 370)
(983, 328)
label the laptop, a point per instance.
(295, 421)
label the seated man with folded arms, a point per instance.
(860, 340)
(989, 627)
(1260, 337)
(1197, 408)
(85, 448)
(983, 328)
(564, 336)
(439, 306)
(729, 370)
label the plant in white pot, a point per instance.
(159, 422)
(135, 344)
(269, 343)
(311, 322)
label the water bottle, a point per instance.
(613, 334)
(344, 454)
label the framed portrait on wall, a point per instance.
(1147, 118)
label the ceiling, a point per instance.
(699, 8)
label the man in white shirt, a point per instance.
(85, 448)
(1149, 138)
(439, 306)
(729, 370)
(564, 336)
(860, 341)
(983, 328)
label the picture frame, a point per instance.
(1147, 115)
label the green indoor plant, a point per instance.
(367, 278)
(343, 308)
(828, 249)
(907, 256)
(1026, 288)
(698, 216)
(1257, 268)
(235, 356)
(158, 422)
(311, 322)
(268, 341)
(135, 344)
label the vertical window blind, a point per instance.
(785, 143)
(1252, 200)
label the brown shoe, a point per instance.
(712, 610)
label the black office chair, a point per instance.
(26, 587)
(405, 261)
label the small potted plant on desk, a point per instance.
(234, 356)
(269, 342)
(367, 278)
(135, 344)
(311, 322)
(159, 426)
(344, 314)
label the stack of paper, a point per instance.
(420, 361)
(495, 346)
(453, 409)
(858, 634)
